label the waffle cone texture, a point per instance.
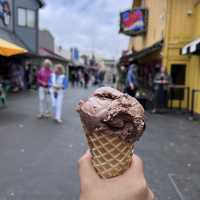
(111, 156)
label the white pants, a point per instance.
(44, 99)
(57, 103)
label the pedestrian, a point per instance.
(131, 81)
(73, 79)
(81, 78)
(43, 77)
(33, 81)
(76, 79)
(27, 76)
(161, 83)
(2, 95)
(86, 79)
(21, 77)
(58, 84)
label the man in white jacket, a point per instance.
(58, 84)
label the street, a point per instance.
(39, 158)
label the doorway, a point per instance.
(178, 72)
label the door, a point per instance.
(178, 72)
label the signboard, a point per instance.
(74, 55)
(134, 22)
(5, 12)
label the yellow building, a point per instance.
(177, 24)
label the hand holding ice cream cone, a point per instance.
(113, 122)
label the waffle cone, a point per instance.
(111, 156)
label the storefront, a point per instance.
(19, 31)
(176, 23)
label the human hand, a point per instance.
(131, 185)
(56, 87)
(44, 83)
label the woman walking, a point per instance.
(43, 77)
(58, 84)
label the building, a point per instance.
(172, 39)
(48, 49)
(19, 22)
(63, 52)
(46, 40)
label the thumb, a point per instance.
(86, 170)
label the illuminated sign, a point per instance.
(5, 12)
(133, 22)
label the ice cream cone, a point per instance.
(112, 122)
(111, 156)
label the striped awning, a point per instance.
(191, 48)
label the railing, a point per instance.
(194, 92)
(183, 88)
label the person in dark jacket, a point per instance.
(131, 81)
(161, 83)
(86, 79)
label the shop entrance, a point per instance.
(178, 72)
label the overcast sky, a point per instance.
(86, 24)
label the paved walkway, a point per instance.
(38, 159)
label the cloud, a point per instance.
(86, 24)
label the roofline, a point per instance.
(48, 31)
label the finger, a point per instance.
(86, 170)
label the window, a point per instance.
(26, 17)
(30, 18)
(22, 17)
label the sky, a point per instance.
(89, 25)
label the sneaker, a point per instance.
(48, 115)
(40, 116)
(59, 121)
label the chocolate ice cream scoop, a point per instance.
(109, 111)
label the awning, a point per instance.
(43, 54)
(47, 53)
(191, 48)
(136, 56)
(10, 49)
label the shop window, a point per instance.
(30, 18)
(26, 17)
(21, 17)
(178, 78)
